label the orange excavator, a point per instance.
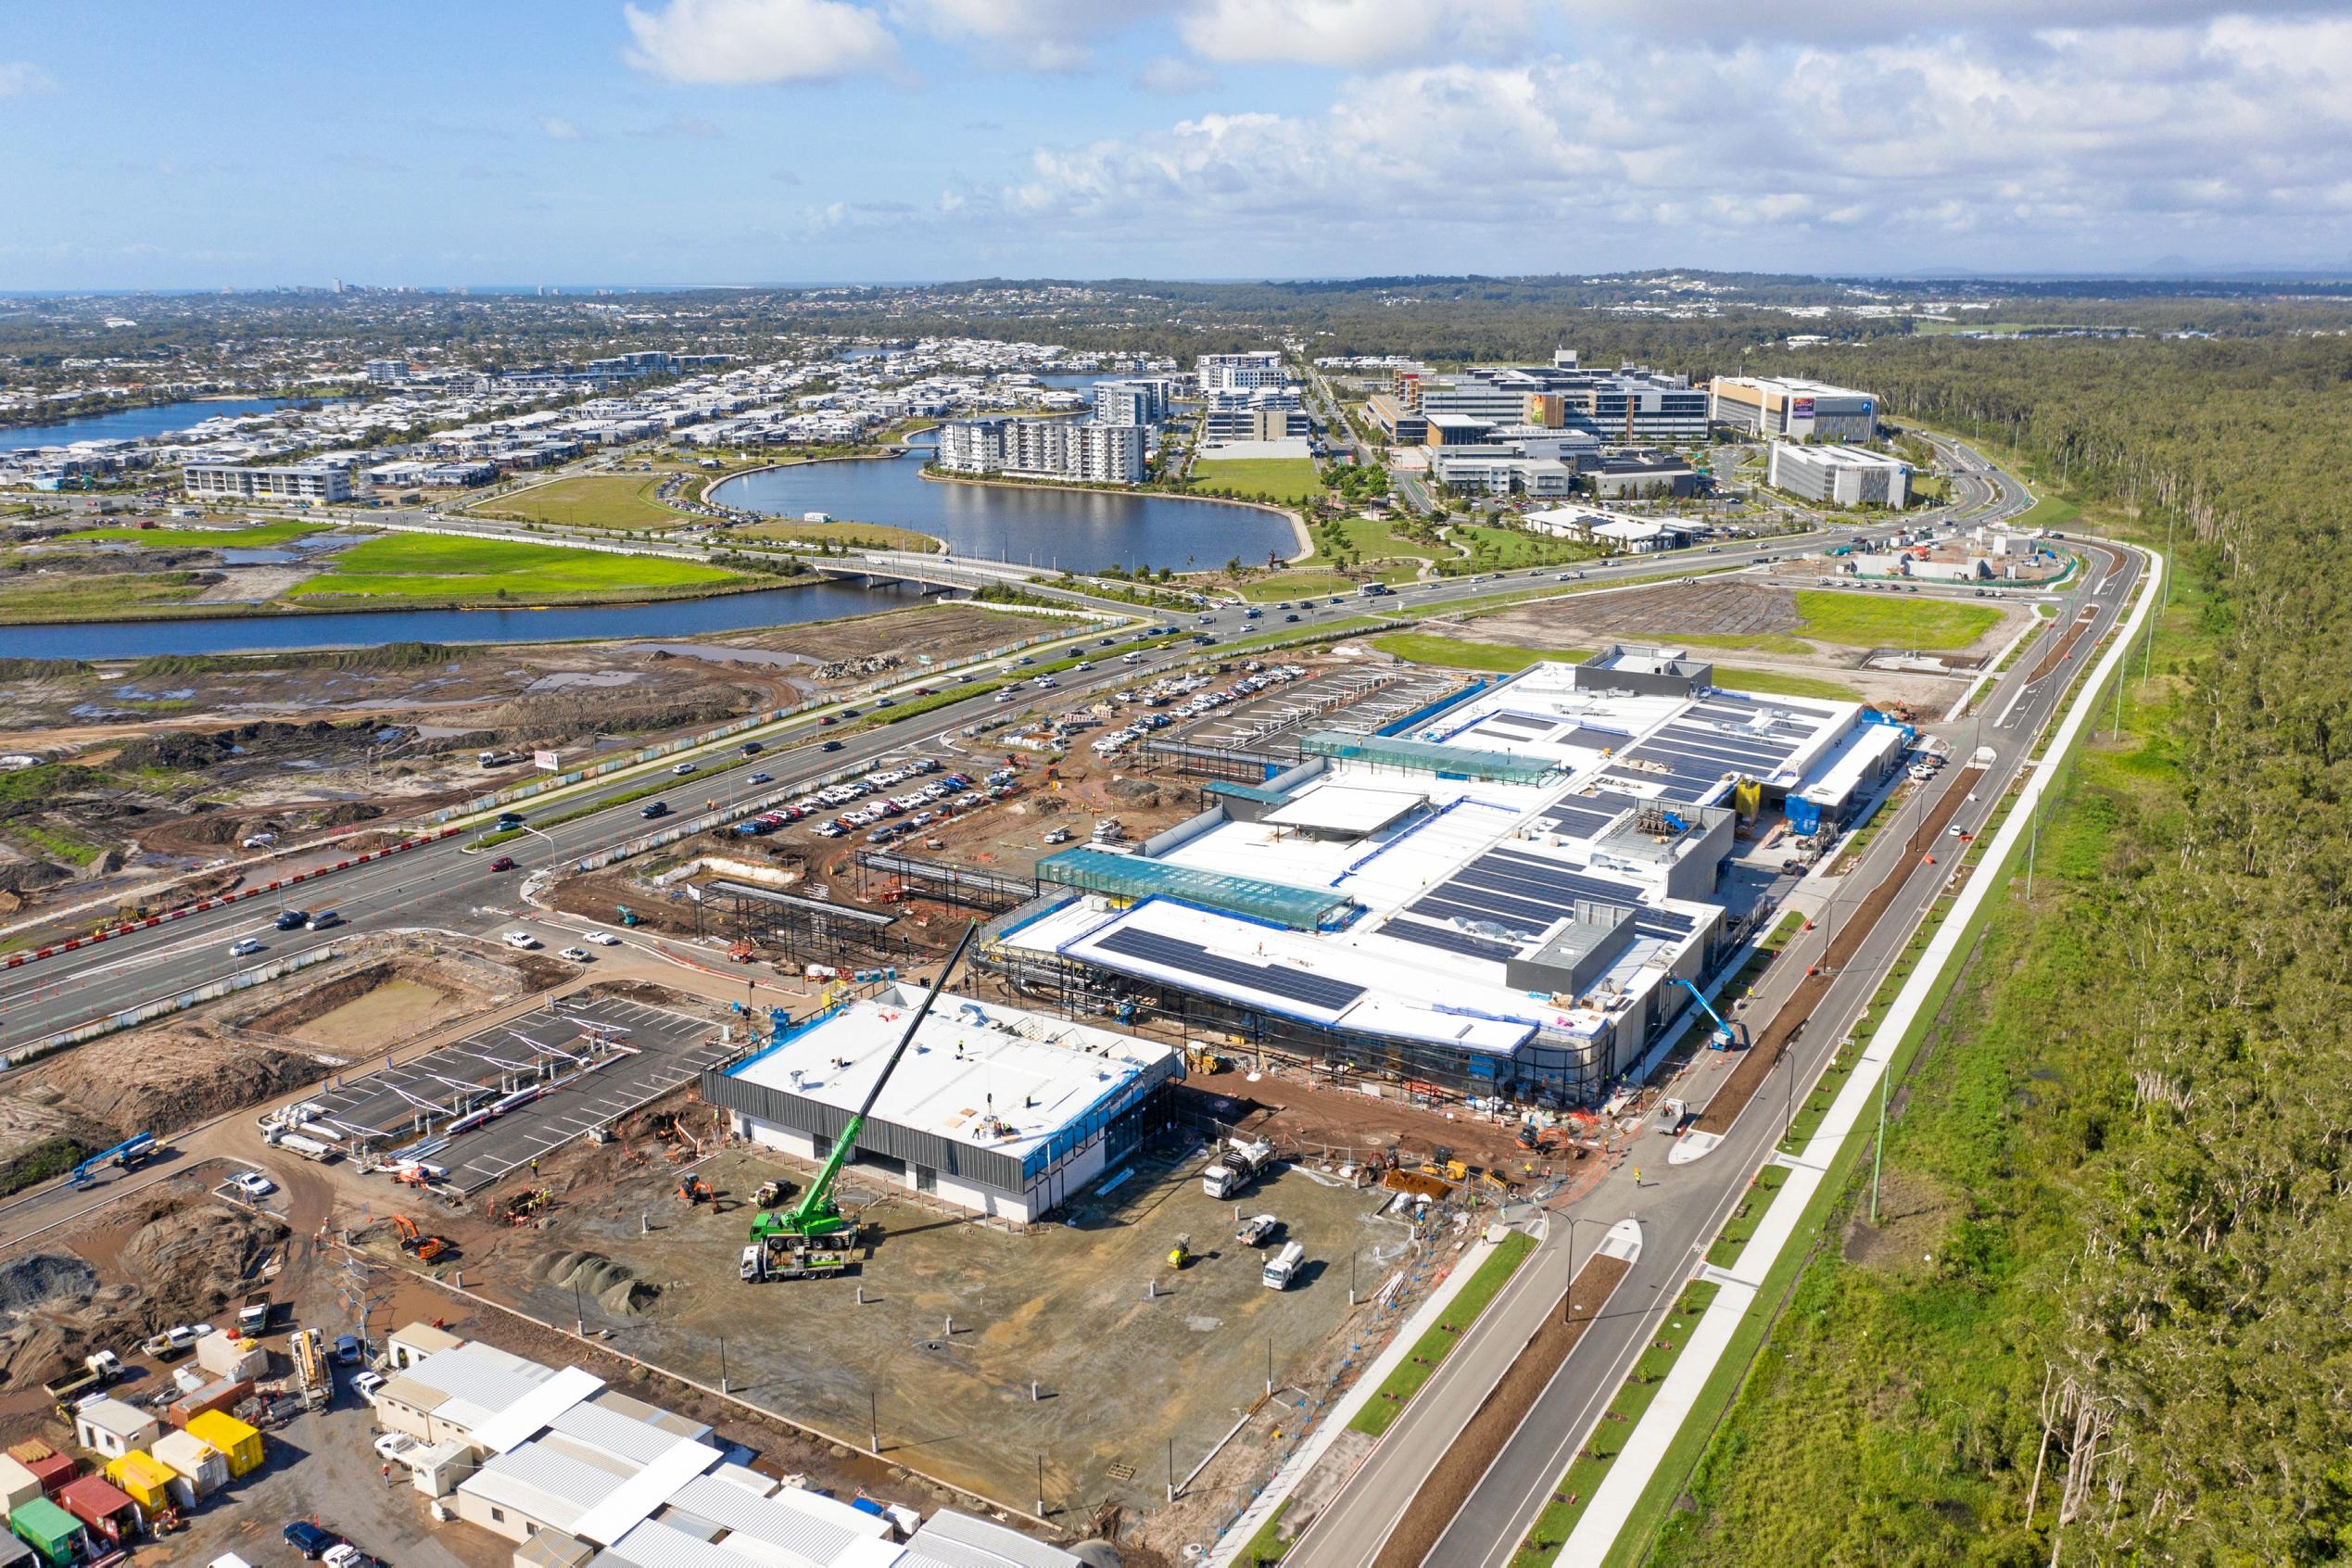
(424, 1248)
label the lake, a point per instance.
(131, 425)
(357, 628)
(1072, 530)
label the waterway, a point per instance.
(363, 628)
(1071, 530)
(131, 425)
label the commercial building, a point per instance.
(1793, 408)
(1493, 473)
(1268, 413)
(1635, 536)
(993, 1109)
(572, 1471)
(1497, 897)
(321, 482)
(1631, 403)
(1840, 475)
(1045, 448)
(1404, 426)
(1239, 372)
(1639, 476)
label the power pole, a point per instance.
(1878, 1149)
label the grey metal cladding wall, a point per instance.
(825, 1122)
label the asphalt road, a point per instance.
(1680, 1208)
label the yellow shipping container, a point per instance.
(240, 1443)
(147, 1479)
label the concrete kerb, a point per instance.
(1309, 1453)
(1615, 1500)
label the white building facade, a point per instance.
(1046, 449)
(1840, 475)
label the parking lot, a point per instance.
(566, 1068)
(1356, 700)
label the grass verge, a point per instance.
(1388, 1401)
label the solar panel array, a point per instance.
(1721, 736)
(1448, 939)
(1581, 817)
(1525, 894)
(1192, 958)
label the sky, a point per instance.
(154, 144)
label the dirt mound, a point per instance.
(348, 813)
(615, 1286)
(46, 1282)
(210, 825)
(196, 1257)
(157, 1079)
(1136, 791)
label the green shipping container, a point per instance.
(49, 1530)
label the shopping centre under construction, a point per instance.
(1496, 898)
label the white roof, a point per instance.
(1345, 809)
(958, 1540)
(637, 1497)
(537, 1408)
(1864, 754)
(113, 1415)
(476, 1379)
(1032, 1073)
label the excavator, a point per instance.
(424, 1248)
(813, 1238)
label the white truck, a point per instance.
(1282, 1268)
(1235, 1168)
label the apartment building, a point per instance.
(1267, 414)
(1793, 408)
(1133, 400)
(1046, 449)
(1239, 372)
(1840, 475)
(321, 482)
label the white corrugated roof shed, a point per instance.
(959, 1540)
(640, 1495)
(544, 1484)
(478, 1380)
(540, 1406)
(625, 1436)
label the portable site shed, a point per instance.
(14, 1553)
(240, 1444)
(49, 1467)
(147, 1479)
(54, 1536)
(113, 1428)
(18, 1484)
(197, 1468)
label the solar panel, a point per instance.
(1192, 958)
(1449, 939)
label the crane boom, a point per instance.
(1726, 1035)
(816, 1214)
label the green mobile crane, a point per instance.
(813, 1238)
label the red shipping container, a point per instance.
(49, 1467)
(221, 1396)
(102, 1505)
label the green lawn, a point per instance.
(591, 500)
(1496, 549)
(1422, 1365)
(1373, 539)
(1863, 620)
(850, 536)
(1288, 480)
(1772, 683)
(26, 596)
(2049, 512)
(426, 566)
(1312, 582)
(256, 536)
(1454, 652)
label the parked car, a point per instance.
(522, 942)
(310, 1540)
(392, 1445)
(346, 1555)
(365, 1383)
(253, 1184)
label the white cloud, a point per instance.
(2095, 148)
(742, 42)
(1857, 21)
(558, 129)
(1167, 73)
(1039, 35)
(1353, 34)
(19, 78)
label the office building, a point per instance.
(1045, 448)
(1496, 900)
(1639, 476)
(1239, 372)
(1491, 473)
(1793, 408)
(1631, 403)
(1840, 475)
(321, 482)
(994, 1110)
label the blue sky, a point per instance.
(728, 141)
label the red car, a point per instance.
(503, 863)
